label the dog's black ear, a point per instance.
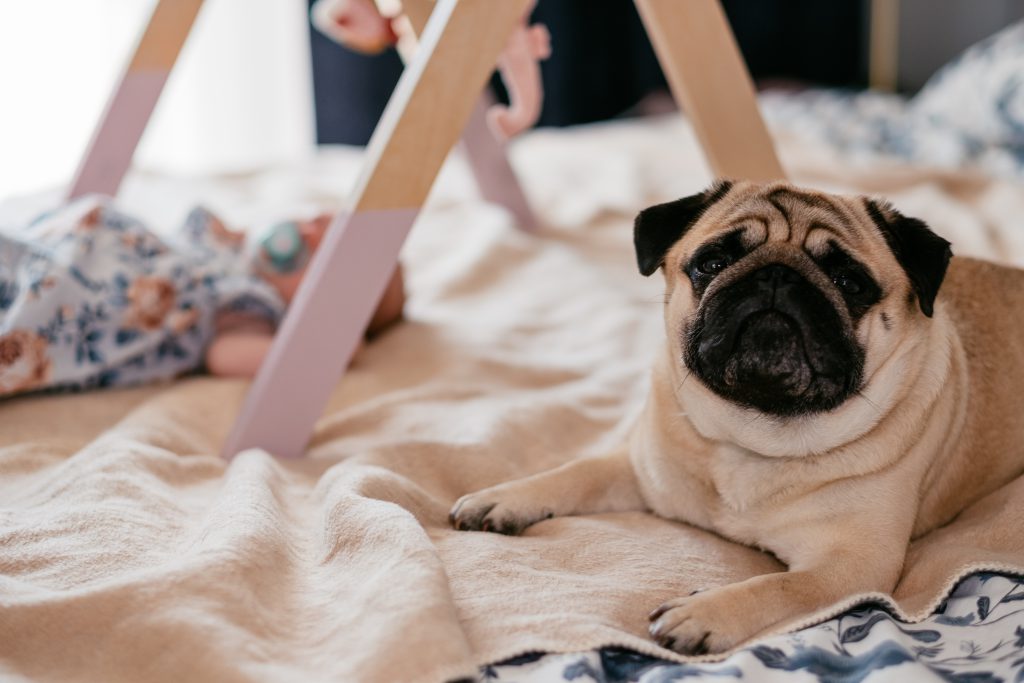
(657, 228)
(923, 255)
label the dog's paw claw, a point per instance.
(696, 625)
(494, 516)
(464, 517)
(657, 612)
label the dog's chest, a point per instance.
(726, 491)
(748, 489)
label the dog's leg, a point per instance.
(585, 486)
(721, 618)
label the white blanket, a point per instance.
(130, 551)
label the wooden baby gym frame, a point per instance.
(436, 97)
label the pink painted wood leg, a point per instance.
(109, 154)
(492, 170)
(321, 331)
(110, 151)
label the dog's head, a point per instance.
(783, 300)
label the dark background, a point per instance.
(603, 63)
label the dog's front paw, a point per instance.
(496, 509)
(704, 622)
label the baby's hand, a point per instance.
(356, 24)
(238, 353)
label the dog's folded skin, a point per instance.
(815, 398)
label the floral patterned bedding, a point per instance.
(970, 114)
(976, 636)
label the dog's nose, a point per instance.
(777, 274)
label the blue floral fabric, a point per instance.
(90, 297)
(969, 115)
(976, 636)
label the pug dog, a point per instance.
(815, 397)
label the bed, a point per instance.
(130, 551)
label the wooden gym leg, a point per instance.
(710, 82)
(494, 175)
(426, 113)
(117, 134)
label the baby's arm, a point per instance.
(237, 354)
(242, 341)
(357, 24)
(239, 345)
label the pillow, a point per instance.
(981, 93)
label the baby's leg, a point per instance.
(237, 354)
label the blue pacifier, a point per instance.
(282, 249)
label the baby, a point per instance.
(89, 297)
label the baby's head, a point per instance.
(284, 252)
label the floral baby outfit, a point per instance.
(89, 297)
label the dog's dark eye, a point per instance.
(714, 263)
(711, 259)
(853, 281)
(848, 282)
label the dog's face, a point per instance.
(785, 301)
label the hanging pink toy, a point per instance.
(359, 25)
(520, 70)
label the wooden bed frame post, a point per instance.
(427, 112)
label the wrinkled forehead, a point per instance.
(782, 213)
